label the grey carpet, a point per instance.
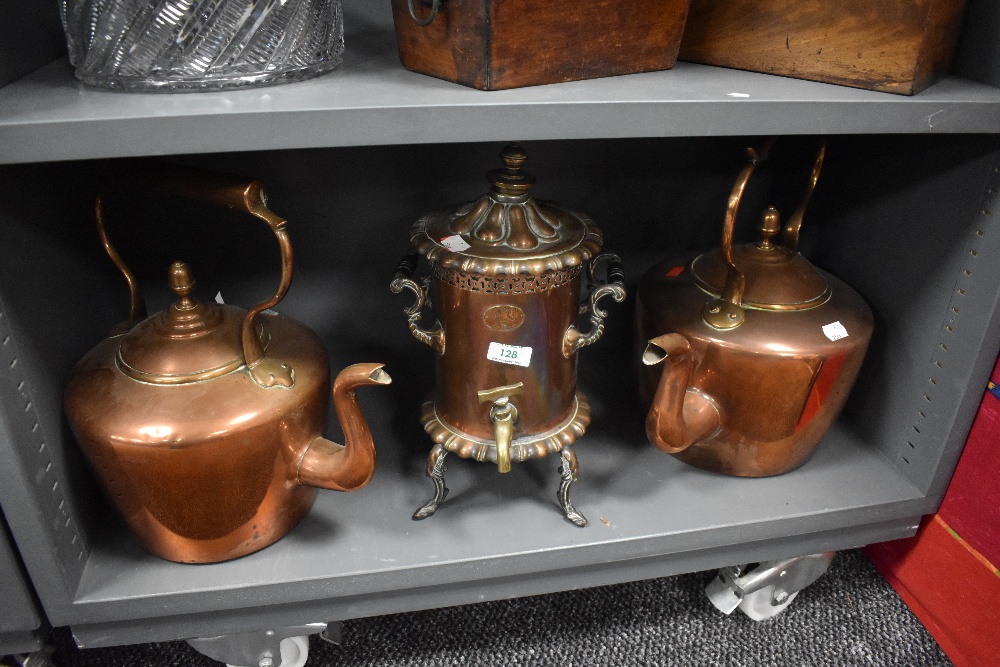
(851, 616)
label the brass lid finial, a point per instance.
(770, 225)
(510, 180)
(181, 282)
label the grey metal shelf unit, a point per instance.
(904, 213)
(20, 623)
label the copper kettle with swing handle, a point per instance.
(748, 352)
(204, 422)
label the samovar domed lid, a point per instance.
(507, 231)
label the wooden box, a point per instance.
(895, 46)
(495, 44)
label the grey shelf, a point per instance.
(360, 554)
(905, 213)
(20, 622)
(372, 100)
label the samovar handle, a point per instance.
(231, 191)
(434, 336)
(613, 286)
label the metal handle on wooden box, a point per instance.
(435, 7)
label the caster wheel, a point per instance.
(758, 607)
(294, 652)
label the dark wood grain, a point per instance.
(897, 46)
(495, 44)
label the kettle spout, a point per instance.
(350, 466)
(678, 417)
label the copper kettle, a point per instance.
(750, 351)
(204, 422)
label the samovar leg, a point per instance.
(435, 470)
(568, 473)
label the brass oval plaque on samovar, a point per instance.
(506, 294)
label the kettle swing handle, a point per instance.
(613, 286)
(727, 311)
(434, 337)
(233, 192)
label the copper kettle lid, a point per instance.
(507, 231)
(777, 278)
(190, 341)
(763, 275)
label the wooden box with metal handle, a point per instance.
(501, 44)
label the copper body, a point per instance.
(750, 352)
(548, 399)
(505, 291)
(766, 392)
(208, 451)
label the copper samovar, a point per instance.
(506, 293)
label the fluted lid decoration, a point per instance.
(506, 231)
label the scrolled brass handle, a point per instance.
(435, 8)
(727, 312)
(238, 193)
(613, 286)
(434, 337)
